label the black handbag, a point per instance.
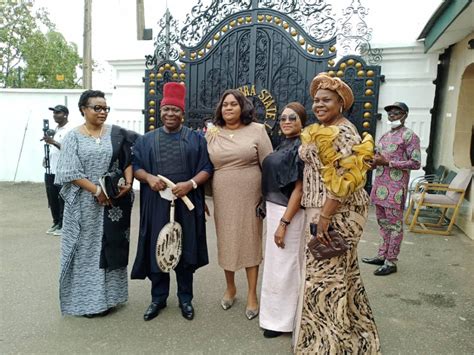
(111, 182)
(320, 251)
(261, 209)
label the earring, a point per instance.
(340, 109)
(182, 120)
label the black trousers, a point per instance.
(160, 285)
(55, 202)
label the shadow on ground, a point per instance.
(425, 308)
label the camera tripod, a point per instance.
(46, 159)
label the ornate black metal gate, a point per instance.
(270, 58)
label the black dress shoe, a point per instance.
(187, 310)
(153, 310)
(385, 270)
(271, 333)
(374, 261)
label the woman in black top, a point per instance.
(282, 173)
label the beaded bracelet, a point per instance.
(284, 222)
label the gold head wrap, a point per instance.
(324, 81)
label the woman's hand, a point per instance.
(124, 189)
(182, 188)
(322, 234)
(155, 183)
(279, 236)
(103, 200)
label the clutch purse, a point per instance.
(261, 209)
(320, 251)
(110, 183)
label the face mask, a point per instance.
(395, 124)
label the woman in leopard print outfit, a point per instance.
(334, 315)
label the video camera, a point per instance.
(46, 130)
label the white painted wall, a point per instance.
(21, 117)
(22, 112)
(129, 93)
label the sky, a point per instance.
(114, 24)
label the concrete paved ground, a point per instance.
(425, 308)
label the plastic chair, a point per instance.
(453, 199)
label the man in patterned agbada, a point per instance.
(398, 152)
(179, 154)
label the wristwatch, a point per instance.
(195, 186)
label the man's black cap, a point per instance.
(400, 105)
(60, 108)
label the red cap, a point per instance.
(173, 94)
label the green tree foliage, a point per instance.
(32, 53)
(49, 56)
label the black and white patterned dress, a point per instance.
(84, 287)
(334, 314)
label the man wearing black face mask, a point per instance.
(55, 202)
(398, 152)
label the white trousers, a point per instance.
(281, 271)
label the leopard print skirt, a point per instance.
(334, 315)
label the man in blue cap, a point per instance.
(55, 202)
(398, 152)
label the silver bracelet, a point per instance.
(98, 191)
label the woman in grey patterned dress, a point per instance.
(94, 248)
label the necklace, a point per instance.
(231, 135)
(97, 139)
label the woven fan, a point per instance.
(170, 239)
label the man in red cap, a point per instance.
(179, 154)
(398, 152)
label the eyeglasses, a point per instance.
(292, 117)
(395, 113)
(98, 108)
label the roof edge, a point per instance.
(436, 15)
(443, 17)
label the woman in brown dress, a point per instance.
(237, 146)
(334, 315)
